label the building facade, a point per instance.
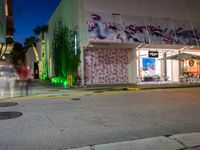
(9, 18)
(6, 25)
(127, 41)
(2, 22)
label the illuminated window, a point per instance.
(6, 8)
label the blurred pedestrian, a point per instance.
(24, 73)
(29, 80)
(8, 76)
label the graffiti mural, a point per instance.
(105, 66)
(143, 30)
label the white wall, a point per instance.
(132, 66)
(173, 9)
(30, 55)
(169, 70)
(175, 70)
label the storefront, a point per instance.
(109, 63)
(167, 65)
(128, 41)
(155, 39)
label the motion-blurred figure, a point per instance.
(25, 79)
(8, 76)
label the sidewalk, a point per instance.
(188, 141)
(140, 86)
(46, 88)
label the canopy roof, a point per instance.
(183, 56)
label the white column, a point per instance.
(132, 66)
(81, 71)
(163, 66)
(175, 70)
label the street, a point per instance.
(62, 122)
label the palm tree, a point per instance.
(41, 30)
(9, 41)
(31, 43)
(17, 54)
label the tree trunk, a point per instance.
(1, 48)
(4, 52)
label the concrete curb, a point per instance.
(174, 142)
(132, 89)
(154, 88)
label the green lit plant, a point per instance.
(66, 51)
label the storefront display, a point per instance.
(192, 66)
(148, 69)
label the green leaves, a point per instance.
(17, 53)
(29, 42)
(41, 30)
(66, 50)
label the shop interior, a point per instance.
(157, 64)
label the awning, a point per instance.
(182, 56)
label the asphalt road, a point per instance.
(60, 123)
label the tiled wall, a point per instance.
(105, 66)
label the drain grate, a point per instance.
(75, 99)
(10, 115)
(8, 104)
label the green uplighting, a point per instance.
(65, 84)
(43, 77)
(60, 80)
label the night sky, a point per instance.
(30, 13)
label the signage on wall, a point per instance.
(133, 29)
(153, 54)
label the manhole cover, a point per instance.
(88, 94)
(10, 115)
(8, 104)
(53, 90)
(65, 94)
(75, 99)
(98, 91)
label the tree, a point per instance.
(9, 41)
(17, 54)
(66, 50)
(30, 42)
(41, 30)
